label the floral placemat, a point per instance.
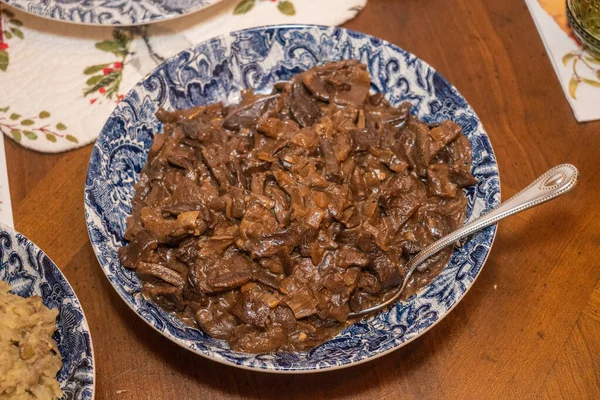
(59, 82)
(577, 69)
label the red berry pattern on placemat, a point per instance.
(105, 79)
(9, 30)
(17, 127)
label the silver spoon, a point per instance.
(557, 181)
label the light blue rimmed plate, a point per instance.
(30, 272)
(216, 70)
(110, 12)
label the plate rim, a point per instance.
(11, 4)
(4, 227)
(293, 370)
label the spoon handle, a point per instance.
(555, 182)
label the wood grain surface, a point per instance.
(529, 327)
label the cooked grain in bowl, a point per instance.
(29, 357)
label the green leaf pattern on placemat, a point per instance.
(9, 30)
(582, 63)
(18, 127)
(284, 6)
(356, 9)
(105, 79)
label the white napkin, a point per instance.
(59, 82)
(577, 70)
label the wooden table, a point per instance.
(529, 327)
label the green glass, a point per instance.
(584, 17)
(587, 13)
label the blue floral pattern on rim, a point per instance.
(31, 273)
(216, 70)
(110, 12)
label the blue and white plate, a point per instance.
(31, 273)
(216, 70)
(110, 12)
